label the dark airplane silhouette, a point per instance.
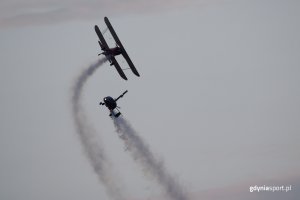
(111, 104)
(110, 53)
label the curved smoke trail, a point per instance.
(91, 145)
(142, 154)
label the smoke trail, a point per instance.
(142, 154)
(88, 139)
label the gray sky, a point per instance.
(217, 100)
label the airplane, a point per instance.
(110, 53)
(111, 104)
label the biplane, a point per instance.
(111, 104)
(110, 53)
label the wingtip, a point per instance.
(137, 74)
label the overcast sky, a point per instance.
(217, 100)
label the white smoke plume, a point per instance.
(91, 144)
(142, 154)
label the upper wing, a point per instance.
(102, 43)
(124, 53)
(118, 68)
(113, 33)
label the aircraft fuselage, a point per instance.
(113, 51)
(110, 103)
